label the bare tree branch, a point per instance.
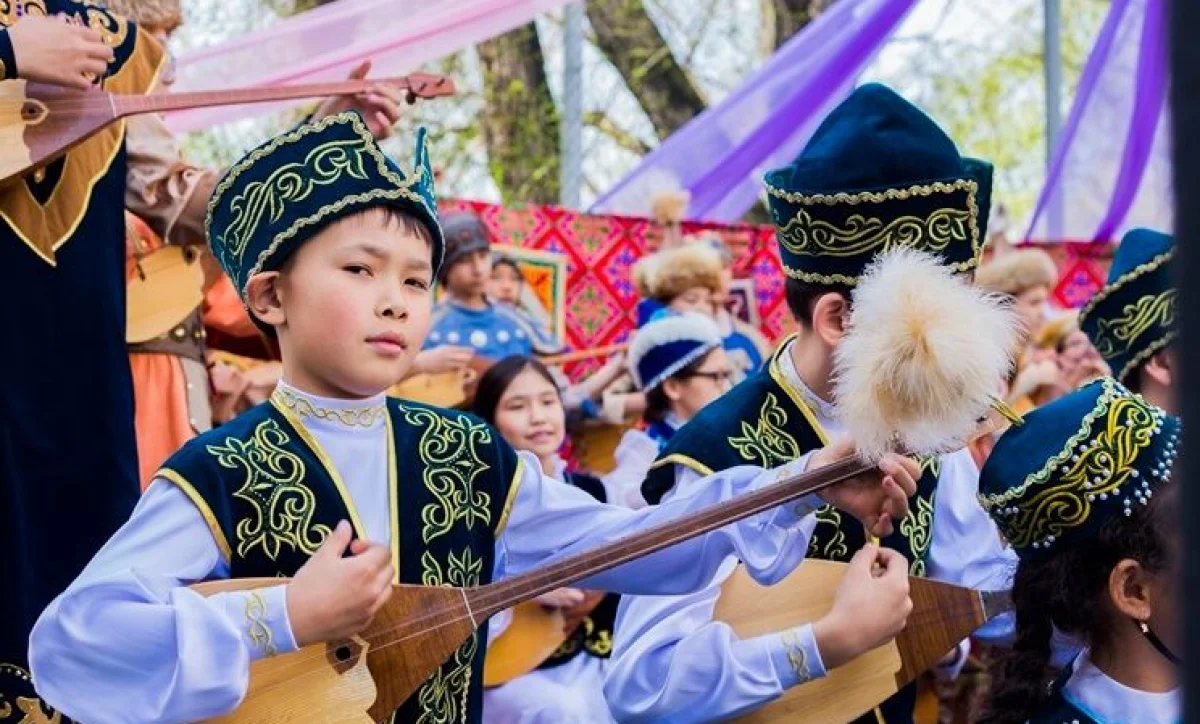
(637, 49)
(791, 16)
(626, 140)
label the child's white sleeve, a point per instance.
(672, 662)
(127, 641)
(551, 519)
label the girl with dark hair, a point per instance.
(1082, 493)
(519, 397)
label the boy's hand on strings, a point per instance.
(871, 605)
(877, 498)
(379, 106)
(54, 50)
(332, 597)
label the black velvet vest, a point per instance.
(271, 497)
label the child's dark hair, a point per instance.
(496, 380)
(1069, 591)
(510, 263)
(802, 297)
(658, 405)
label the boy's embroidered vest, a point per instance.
(271, 497)
(766, 422)
(595, 634)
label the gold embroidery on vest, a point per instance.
(461, 571)
(601, 645)
(829, 518)
(113, 29)
(12, 10)
(443, 698)
(449, 455)
(283, 506)
(1118, 335)
(766, 444)
(917, 527)
(450, 459)
(32, 708)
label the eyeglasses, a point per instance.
(718, 376)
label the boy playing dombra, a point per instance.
(338, 490)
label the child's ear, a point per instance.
(1130, 589)
(831, 313)
(672, 389)
(264, 298)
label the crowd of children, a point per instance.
(340, 492)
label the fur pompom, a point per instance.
(924, 355)
(668, 207)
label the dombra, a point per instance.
(40, 122)
(942, 616)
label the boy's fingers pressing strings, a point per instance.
(335, 544)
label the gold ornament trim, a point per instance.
(330, 469)
(868, 233)
(1121, 281)
(273, 487)
(1098, 470)
(1135, 319)
(1110, 392)
(257, 629)
(797, 657)
(353, 417)
(201, 504)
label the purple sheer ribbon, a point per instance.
(721, 155)
(1111, 170)
(324, 44)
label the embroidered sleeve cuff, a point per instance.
(8, 59)
(792, 513)
(265, 622)
(795, 656)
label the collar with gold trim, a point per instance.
(304, 407)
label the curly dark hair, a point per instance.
(1069, 591)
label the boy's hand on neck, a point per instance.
(332, 597)
(876, 498)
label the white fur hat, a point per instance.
(667, 344)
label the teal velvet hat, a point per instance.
(877, 174)
(1098, 452)
(1133, 316)
(289, 188)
